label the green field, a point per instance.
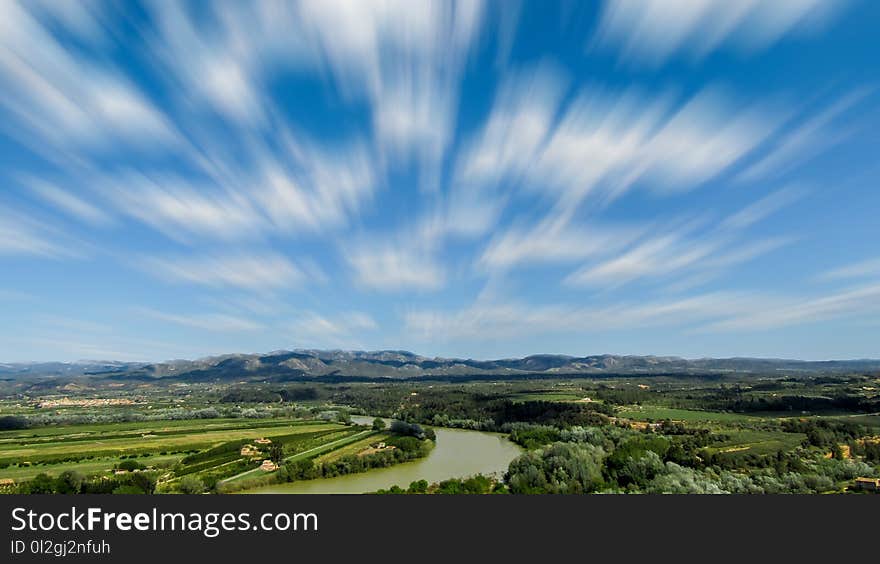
(656, 413)
(85, 467)
(546, 396)
(757, 442)
(112, 442)
(872, 420)
(352, 447)
(329, 444)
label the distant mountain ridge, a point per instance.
(310, 363)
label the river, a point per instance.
(457, 454)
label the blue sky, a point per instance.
(457, 179)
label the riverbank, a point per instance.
(457, 454)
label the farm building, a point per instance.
(268, 466)
(249, 450)
(263, 441)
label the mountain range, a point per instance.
(336, 364)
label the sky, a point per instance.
(462, 179)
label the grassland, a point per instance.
(208, 450)
(194, 434)
(657, 413)
(750, 441)
(354, 447)
(85, 467)
(110, 441)
(308, 450)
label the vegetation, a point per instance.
(714, 433)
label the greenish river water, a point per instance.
(458, 454)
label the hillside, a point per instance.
(335, 364)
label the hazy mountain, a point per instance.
(20, 369)
(304, 364)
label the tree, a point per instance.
(41, 484)
(130, 465)
(407, 429)
(276, 453)
(69, 482)
(191, 485)
(13, 422)
(420, 486)
(128, 490)
(145, 481)
(563, 468)
(378, 424)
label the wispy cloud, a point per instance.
(853, 302)
(804, 140)
(389, 267)
(65, 100)
(216, 322)
(406, 58)
(258, 271)
(499, 320)
(766, 206)
(554, 241)
(861, 269)
(700, 313)
(422, 150)
(319, 189)
(523, 114)
(68, 202)
(606, 144)
(700, 246)
(23, 235)
(652, 31)
(344, 330)
(180, 210)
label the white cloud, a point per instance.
(318, 189)
(747, 252)
(68, 202)
(853, 302)
(297, 188)
(604, 145)
(715, 312)
(553, 241)
(870, 267)
(179, 209)
(22, 235)
(406, 58)
(219, 62)
(761, 209)
(522, 116)
(216, 322)
(653, 31)
(66, 101)
(361, 320)
(255, 271)
(698, 247)
(488, 321)
(84, 19)
(802, 142)
(657, 256)
(342, 330)
(388, 267)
